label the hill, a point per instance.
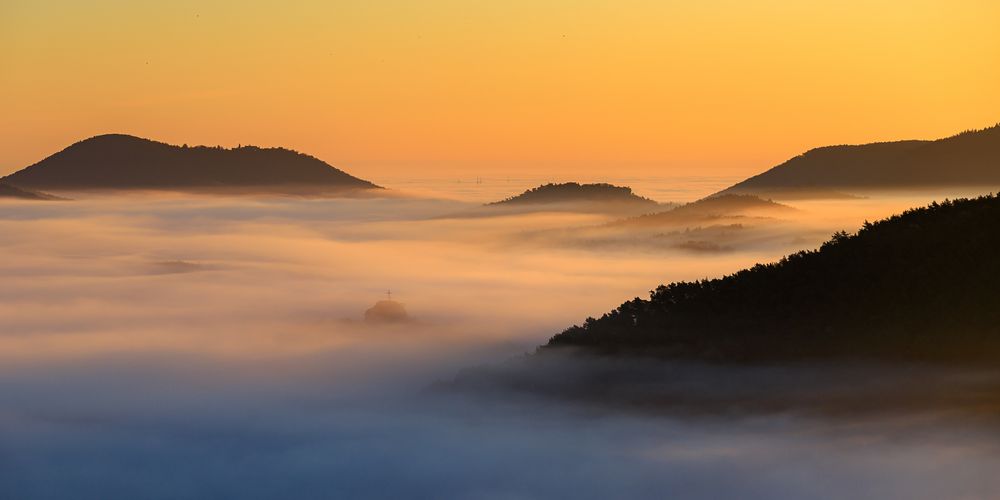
(916, 286)
(713, 207)
(9, 191)
(572, 192)
(125, 162)
(970, 158)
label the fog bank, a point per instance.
(192, 347)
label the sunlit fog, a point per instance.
(182, 346)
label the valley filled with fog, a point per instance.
(163, 346)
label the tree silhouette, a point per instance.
(919, 285)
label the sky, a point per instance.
(447, 88)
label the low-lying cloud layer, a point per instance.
(192, 347)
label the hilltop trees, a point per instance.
(921, 285)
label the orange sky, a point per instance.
(519, 87)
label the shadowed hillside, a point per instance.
(9, 191)
(572, 192)
(711, 225)
(714, 207)
(125, 162)
(919, 286)
(971, 158)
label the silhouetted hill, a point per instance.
(916, 286)
(387, 311)
(713, 207)
(9, 191)
(125, 162)
(572, 192)
(971, 158)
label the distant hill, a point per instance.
(713, 207)
(971, 158)
(572, 192)
(9, 191)
(710, 225)
(125, 162)
(916, 286)
(387, 311)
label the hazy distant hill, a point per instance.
(918, 286)
(9, 191)
(714, 207)
(125, 162)
(968, 159)
(572, 192)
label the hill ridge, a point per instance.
(122, 161)
(575, 192)
(919, 285)
(968, 158)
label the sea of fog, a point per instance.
(165, 346)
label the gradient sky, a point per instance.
(519, 87)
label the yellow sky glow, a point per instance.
(460, 88)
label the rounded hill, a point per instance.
(117, 161)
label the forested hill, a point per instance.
(572, 192)
(922, 285)
(117, 161)
(970, 158)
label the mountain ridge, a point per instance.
(915, 286)
(969, 158)
(121, 161)
(720, 206)
(574, 192)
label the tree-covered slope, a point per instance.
(971, 158)
(921, 285)
(116, 161)
(572, 192)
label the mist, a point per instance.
(175, 346)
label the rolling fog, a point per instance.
(162, 346)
